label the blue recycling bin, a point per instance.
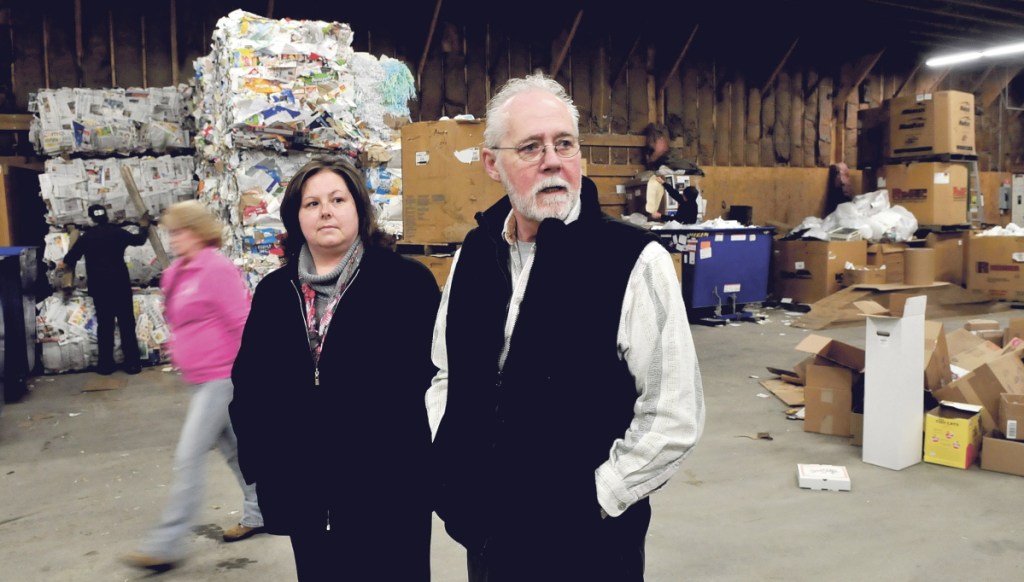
(725, 267)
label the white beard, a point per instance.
(554, 206)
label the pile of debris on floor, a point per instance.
(965, 401)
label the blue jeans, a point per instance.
(206, 424)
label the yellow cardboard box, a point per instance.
(952, 434)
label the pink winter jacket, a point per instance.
(206, 304)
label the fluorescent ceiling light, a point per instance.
(1006, 49)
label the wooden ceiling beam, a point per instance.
(778, 68)
(950, 14)
(994, 85)
(625, 62)
(679, 60)
(568, 43)
(430, 40)
(989, 7)
(860, 72)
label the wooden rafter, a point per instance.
(113, 48)
(1009, 23)
(426, 47)
(679, 60)
(931, 79)
(174, 42)
(778, 68)
(625, 62)
(859, 74)
(909, 78)
(565, 47)
(995, 84)
(270, 9)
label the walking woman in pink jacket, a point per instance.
(206, 305)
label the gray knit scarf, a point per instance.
(327, 285)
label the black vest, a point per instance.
(529, 438)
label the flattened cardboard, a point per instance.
(789, 394)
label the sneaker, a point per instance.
(240, 532)
(147, 562)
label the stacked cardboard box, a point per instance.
(934, 192)
(930, 124)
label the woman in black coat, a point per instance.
(329, 388)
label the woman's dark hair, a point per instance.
(292, 201)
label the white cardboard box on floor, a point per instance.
(894, 388)
(823, 477)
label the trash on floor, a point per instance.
(823, 477)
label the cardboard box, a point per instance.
(937, 374)
(809, 270)
(1004, 456)
(952, 435)
(828, 399)
(893, 390)
(949, 255)
(823, 477)
(967, 351)
(931, 123)
(439, 265)
(985, 385)
(890, 255)
(864, 276)
(1011, 416)
(993, 264)
(934, 192)
(1014, 329)
(835, 351)
(981, 324)
(444, 183)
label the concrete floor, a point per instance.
(83, 474)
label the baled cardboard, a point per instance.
(1011, 416)
(952, 436)
(893, 391)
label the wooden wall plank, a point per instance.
(637, 106)
(95, 45)
(767, 142)
(723, 123)
(477, 89)
(128, 47)
(432, 90)
(796, 119)
(158, 45)
(706, 115)
(738, 124)
(27, 33)
(673, 113)
(810, 116)
(580, 86)
(783, 115)
(824, 121)
(61, 16)
(689, 112)
(453, 60)
(752, 144)
(601, 91)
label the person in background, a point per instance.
(329, 388)
(206, 304)
(567, 388)
(109, 285)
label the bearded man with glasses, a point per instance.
(568, 388)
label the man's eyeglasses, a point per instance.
(531, 151)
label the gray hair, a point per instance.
(497, 116)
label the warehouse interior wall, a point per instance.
(749, 100)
